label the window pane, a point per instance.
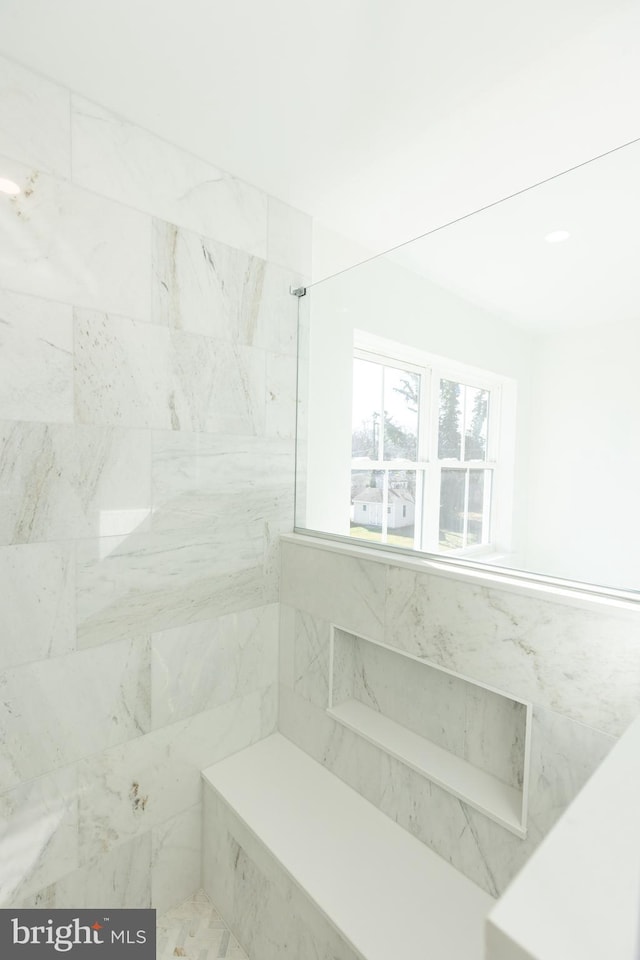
(370, 508)
(402, 508)
(401, 404)
(477, 522)
(476, 418)
(367, 493)
(452, 486)
(449, 436)
(366, 416)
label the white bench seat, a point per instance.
(386, 894)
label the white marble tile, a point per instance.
(276, 327)
(60, 242)
(310, 654)
(59, 481)
(127, 790)
(200, 476)
(34, 120)
(347, 592)
(217, 386)
(290, 237)
(274, 528)
(584, 664)
(53, 712)
(203, 665)
(441, 821)
(149, 582)
(286, 650)
(176, 858)
(343, 752)
(37, 602)
(271, 916)
(141, 375)
(36, 359)
(122, 371)
(494, 736)
(563, 755)
(475, 724)
(126, 163)
(343, 667)
(38, 834)
(120, 879)
(205, 287)
(281, 396)
(428, 702)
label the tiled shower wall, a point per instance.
(578, 665)
(147, 403)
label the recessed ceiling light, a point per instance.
(8, 186)
(557, 236)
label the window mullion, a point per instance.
(385, 505)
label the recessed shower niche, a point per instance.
(469, 739)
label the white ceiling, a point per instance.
(382, 120)
(499, 259)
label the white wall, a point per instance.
(584, 511)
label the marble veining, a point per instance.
(585, 664)
(206, 287)
(120, 878)
(149, 582)
(281, 396)
(39, 835)
(66, 244)
(263, 905)
(347, 592)
(196, 477)
(36, 359)
(202, 665)
(37, 602)
(218, 387)
(60, 481)
(135, 167)
(127, 790)
(55, 711)
(122, 371)
(563, 755)
(176, 855)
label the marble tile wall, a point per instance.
(147, 414)
(579, 666)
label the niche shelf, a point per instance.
(470, 739)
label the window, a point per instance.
(424, 455)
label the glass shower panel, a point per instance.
(446, 400)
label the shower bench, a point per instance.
(302, 866)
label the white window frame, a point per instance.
(432, 369)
